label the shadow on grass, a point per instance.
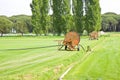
(29, 48)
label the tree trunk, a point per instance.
(1, 34)
(22, 34)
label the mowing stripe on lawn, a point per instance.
(81, 60)
(18, 66)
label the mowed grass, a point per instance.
(103, 63)
(37, 58)
(34, 58)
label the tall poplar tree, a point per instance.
(58, 16)
(39, 10)
(78, 15)
(44, 15)
(35, 8)
(93, 15)
(62, 17)
(66, 16)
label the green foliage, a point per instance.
(35, 8)
(93, 15)
(70, 24)
(59, 13)
(110, 22)
(5, 25)
(66, 16)
(40, 16)
(22, 23)
(78, 15)
(44, 16)
(110, 13)
(85, 33)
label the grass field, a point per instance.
(37, 58)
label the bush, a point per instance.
(85, 33)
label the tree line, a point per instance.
(23, 24)
(110, 22)
(15, 24)
(76, 15)
(67, 15)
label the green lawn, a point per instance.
(37, 58)
(25, 58)
(103, 63)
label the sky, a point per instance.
(110, 6)
(17, 7)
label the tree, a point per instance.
(36, 13)
(118, 24)
(93, 15)
(29, 24)
(22, 24)
(68, 17)
(44, 16)
(57, 16)
(61, 12)
(62, 19)
(40, 19)
(109, 21)
(70, 23)
(78, 15)
(5, 25)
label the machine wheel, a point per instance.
(78, 48)
(66, 47)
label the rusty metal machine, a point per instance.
(71, 41)
(93, 35)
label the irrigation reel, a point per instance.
(71, 42)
